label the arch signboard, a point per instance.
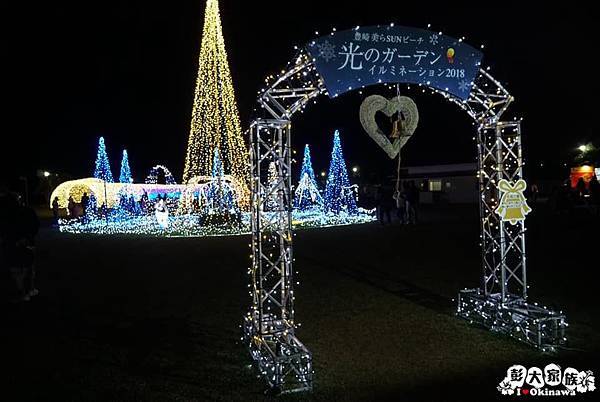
(395, 54)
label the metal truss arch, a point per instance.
(500, 304)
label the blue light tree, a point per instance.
(102, 170)
(220, 194)
(339, 195)
(217, 165)
(125, 176)
(307, 194)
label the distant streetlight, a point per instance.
(46, 173)
(583, 148)
(355, 169)
(323, 174)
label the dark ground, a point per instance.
(130, 318)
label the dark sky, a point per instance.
(126, 70)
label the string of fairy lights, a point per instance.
(198, 208)
(499, 158)
(215, 120)
(217, 155)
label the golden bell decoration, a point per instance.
(513, 204)
(397, 128)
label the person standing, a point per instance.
(581, 191)
(535, 192)
(387, 203)
(55, 211)
(413, 202)
(31, 227)
(85, 200)
(71, 208)
(400, 197)
(19, 245)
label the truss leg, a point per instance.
(280, 357)
(500, 304)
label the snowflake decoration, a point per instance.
(326, 51)
(433, 39)
(464, 85)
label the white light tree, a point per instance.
(307, 195)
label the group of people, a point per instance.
(19, 226)
(404, 201)
(88, 208)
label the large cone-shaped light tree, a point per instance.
(339, 196)
(215, 120)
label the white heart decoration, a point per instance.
(377, 103)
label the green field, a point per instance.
(157, 319)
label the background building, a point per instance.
(452, 184)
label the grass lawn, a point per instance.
(142, 318)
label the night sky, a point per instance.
(126, 70)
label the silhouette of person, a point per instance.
(580, 187)
(19, 233)
(387, 204)
(413, 202)
(85, 200)
(55, 207)
(71, 207)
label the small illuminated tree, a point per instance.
(102, 169)
(220, 194)
(125, 176)
(339, 195)
(307, 194)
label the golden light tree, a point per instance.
(215, 119)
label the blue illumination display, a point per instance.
(102, 170)
(339, 194)
(125, 176)
(307, 194)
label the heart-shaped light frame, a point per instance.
(377, 103)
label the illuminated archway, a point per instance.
(152, 177)
(76, 188)
(198, 188)
(500, 304)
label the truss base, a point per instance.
(528, 323)
(280, 357)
